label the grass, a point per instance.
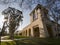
(34, 41)
(15, 37)
(18, 37)
(8, 43)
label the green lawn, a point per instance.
(18, 37)
(15, 37)
(34, 41)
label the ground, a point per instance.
(34, 41)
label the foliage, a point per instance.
(14, 17)
(3, 32)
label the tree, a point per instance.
(53, 7)
(3, 29)
(14, 17)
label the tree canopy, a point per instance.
(14, 17)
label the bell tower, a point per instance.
(38, 12)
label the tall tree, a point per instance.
(14, 17)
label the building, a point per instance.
(40, 24)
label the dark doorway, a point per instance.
(49, 29)
(36, 32)
(26, 32)
(29, 32)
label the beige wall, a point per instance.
(38, 22)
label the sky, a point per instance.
(26, 17)
(1, 16)
(15, 4)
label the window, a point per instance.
(35, 16)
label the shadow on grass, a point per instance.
(22, 43)
(30, 42)
(7, 43)
(34, 41)
(38, 41)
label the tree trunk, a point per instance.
(11, 34)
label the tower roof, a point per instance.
(39, 6)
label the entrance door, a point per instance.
(36, 32)
(49, 29)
